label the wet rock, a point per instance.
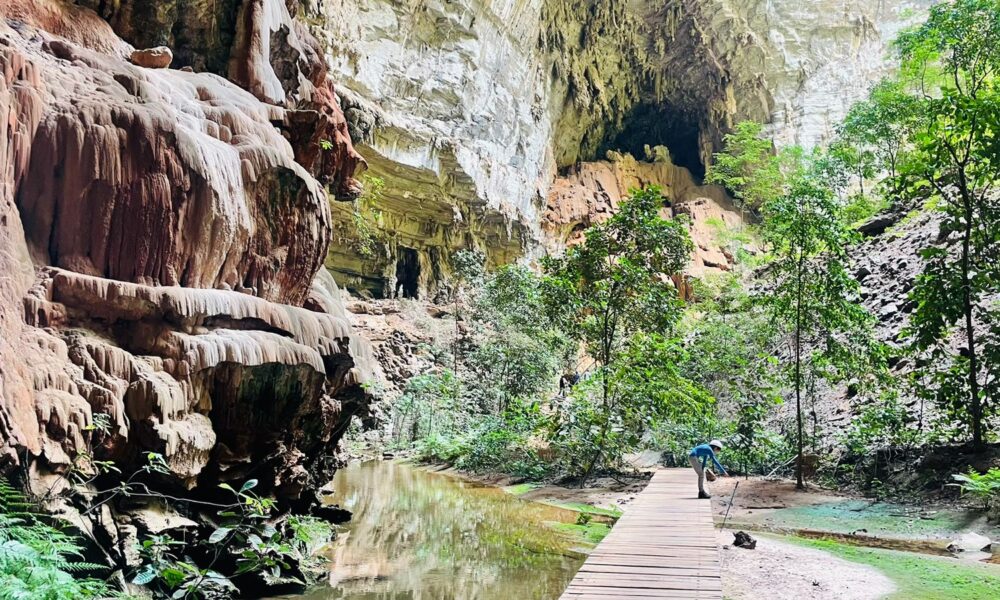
(152, 58)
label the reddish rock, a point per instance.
(152, 58)
(158, 239)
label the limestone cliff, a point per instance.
(162, 234)
(468, 108)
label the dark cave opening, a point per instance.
(659, 125)
(407, 273)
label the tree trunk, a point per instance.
(604, 430)
(799, 482)
(975, 406)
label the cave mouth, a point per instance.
(407, 273)
(650, 124)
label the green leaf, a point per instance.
(249, 485)
(219, 534)
(145, 576)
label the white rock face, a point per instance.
(463, 104)
(817, 58)
(455, 86)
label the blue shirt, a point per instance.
(704, 452)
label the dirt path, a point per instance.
(776, 570)
(758, 496)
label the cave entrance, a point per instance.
(407, 273)
(660, 125)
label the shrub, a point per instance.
(39, 561)
(983, 487)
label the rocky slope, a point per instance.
(467, 109)
(162, 235)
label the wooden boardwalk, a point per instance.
(664, 546)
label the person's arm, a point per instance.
(722, 470)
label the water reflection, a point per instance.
(423, 536)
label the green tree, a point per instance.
(615, 285)
(367, 216)
(645, 387)
(950, 66)
(729, 351)
(469, 269)
(429, 404)
(518, 350)
(811, 291)
(748, 166)
(874, 131)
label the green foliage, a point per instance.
(876, 128)
(810, 292)
(506, 444)
(646, 388)
(39, 561)
(748, 166)
(616, 295)
(518, 365)
(519, 349)
(366, 216)
(883, 425)
(729, 350)
(248, 536)
(950, 66)
(984, 487)
(429, 405)
(437, 447)
(171, 577)
(486, 418)
(469, 265)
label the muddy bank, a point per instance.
(606, 493)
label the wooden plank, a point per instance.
(664, 546)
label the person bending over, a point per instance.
(699, 458)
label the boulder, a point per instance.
(970, 541)
(878, 225)
(152, 58)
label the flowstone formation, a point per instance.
(162, 235)
(469, 109)
(590, 193)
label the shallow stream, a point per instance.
(418, 535)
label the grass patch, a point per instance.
(590, 534)
(586, 509)
(521, 488)
(920, 577)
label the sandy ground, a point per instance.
(776, 570)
